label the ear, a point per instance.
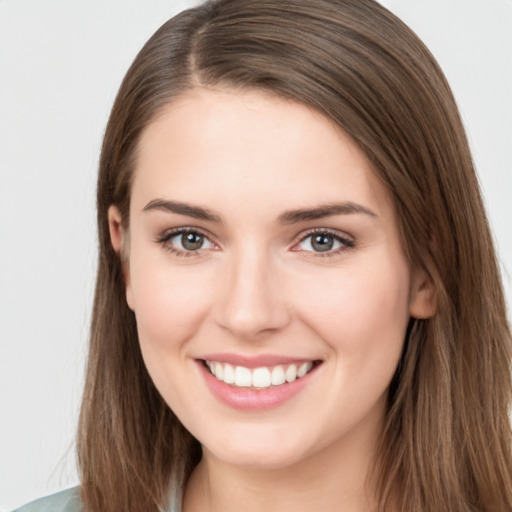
(120, 243)
(422, 303)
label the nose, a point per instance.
(251, 301)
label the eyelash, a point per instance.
(165, 238)
(346, 243)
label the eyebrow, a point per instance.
(322, 211)
(197, 212)
(288, 217)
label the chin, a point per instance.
(262, 455)
(260, 461)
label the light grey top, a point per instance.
(69, 501)
(64, 501)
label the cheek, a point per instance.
(169, 301)
(362, 317)
(362, 314)
(170, 304)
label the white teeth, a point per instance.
(243, 377)
(278, 377)
(291, 373)
(304, 368)
(229, 374)
(259, 378)
(219, 371)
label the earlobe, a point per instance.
(423, 303)
(119, 241)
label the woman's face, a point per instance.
(261, 244)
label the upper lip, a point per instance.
(255, 361)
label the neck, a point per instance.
(335, 478)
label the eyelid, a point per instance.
(168, 233)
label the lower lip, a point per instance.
(254, 399)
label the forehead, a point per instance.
(221, 144)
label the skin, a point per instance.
(258, 286)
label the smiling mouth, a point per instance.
(261, 378)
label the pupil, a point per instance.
(322, 243)
(192, 241)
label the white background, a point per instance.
(61, 63)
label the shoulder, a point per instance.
(64, 501)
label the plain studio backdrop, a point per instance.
(61, 63)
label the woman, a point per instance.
(298, 299)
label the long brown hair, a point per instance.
(446, 443)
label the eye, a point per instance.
(185, 241)
(324, 242)
(190, 241)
